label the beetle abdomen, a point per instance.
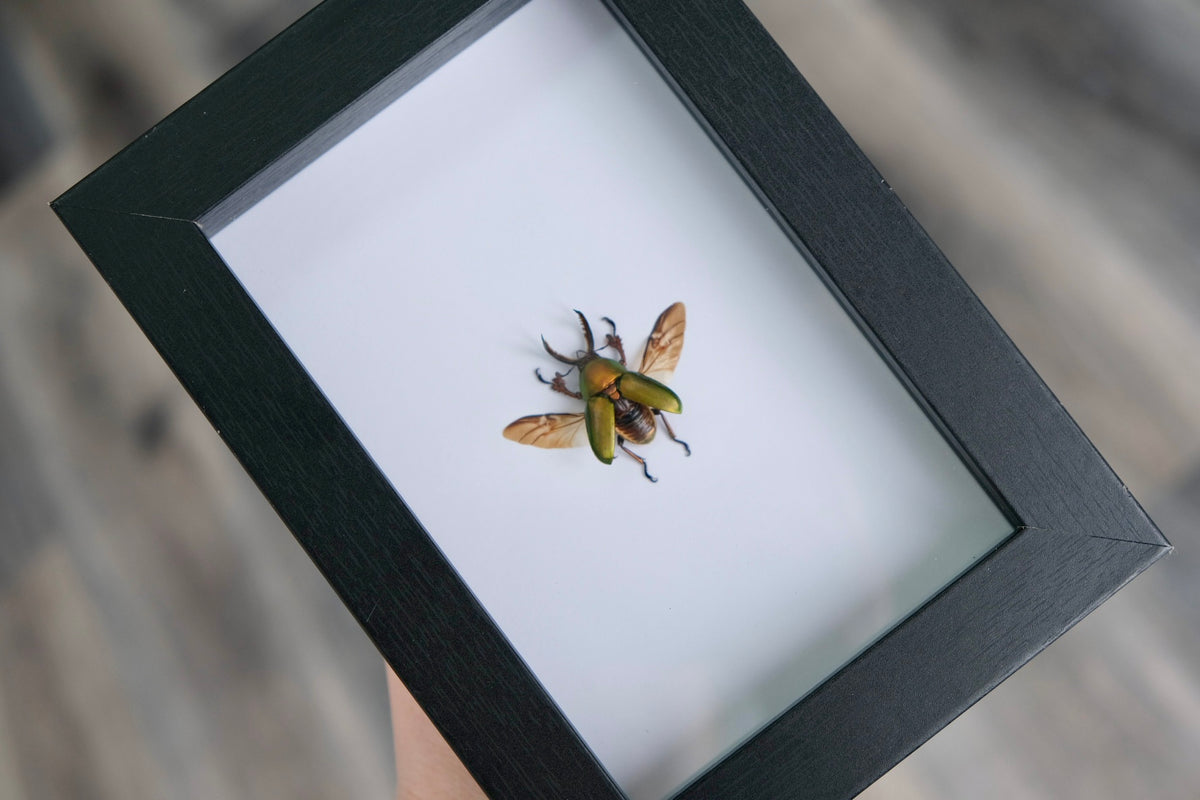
(634, 421)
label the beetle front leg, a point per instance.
(637, 458)
(614, 341)
(558, 384)
(687, 451)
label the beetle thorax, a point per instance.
(599, 376)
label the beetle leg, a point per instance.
(538, 372)
(614, 341)
(686, 450)
(558, 384)
(637, 458)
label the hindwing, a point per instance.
(548, 430)
(665, 344)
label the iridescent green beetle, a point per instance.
(620, 404)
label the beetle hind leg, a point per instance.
(637, 458)
(687, 451)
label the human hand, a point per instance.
(426, 767)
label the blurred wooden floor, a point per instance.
(162, 636)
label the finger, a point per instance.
(426, 767)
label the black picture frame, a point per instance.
(1078, 534)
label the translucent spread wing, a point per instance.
(548, 430)
(665, 344)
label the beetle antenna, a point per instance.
(587, 332)
(559, 356)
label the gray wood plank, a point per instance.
(66, 712)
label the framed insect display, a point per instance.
(404, 239)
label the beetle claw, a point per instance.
(687, 450)
(538, 371)
(637, 458)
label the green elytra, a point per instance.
(605, 383)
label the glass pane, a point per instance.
(413, 268)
